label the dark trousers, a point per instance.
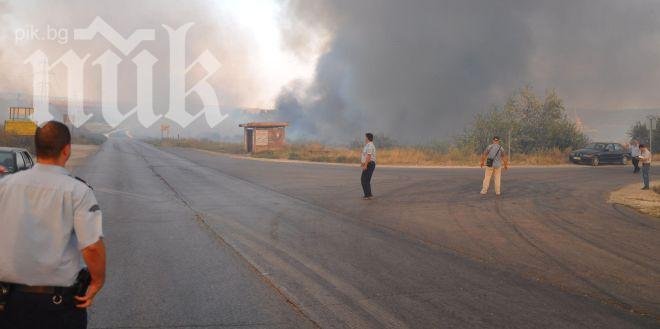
(635, 162)
(38, 311)
(366, 179)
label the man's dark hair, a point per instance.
(642, 146)
(496, 138)
(370, 136)
(51, 138)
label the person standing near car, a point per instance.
(634, 154)
(368, 160)
(495, 159)
(50, 229)
(645, 158)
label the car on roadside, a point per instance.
(601, 153)
(14, 159)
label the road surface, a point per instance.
(201, 240)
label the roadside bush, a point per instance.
(534, 124)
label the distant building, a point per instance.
(263, 136)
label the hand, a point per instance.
(92, 290)
(481, 164)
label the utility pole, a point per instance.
(508, 142)
(651, 117)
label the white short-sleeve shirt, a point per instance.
(647, 156)
(46, 218)
(369, 148)
(634, 151)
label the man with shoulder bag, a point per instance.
(495, 159)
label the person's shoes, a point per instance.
(367, 198)
(482, 193)
(498, 194)
(645, 188)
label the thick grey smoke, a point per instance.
(415, 70)
(419, 70)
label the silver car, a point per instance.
(14, 159)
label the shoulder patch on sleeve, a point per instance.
(84, 182)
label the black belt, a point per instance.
(44, 290)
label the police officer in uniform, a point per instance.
(52, 256)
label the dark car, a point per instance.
(599, 153)
(14, 159)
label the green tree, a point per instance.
(640, 132)
(534, 124)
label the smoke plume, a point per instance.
(419, 70)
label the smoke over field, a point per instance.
(415, 70)
(420, 70)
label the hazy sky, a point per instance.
(244, 35)
(415, 70)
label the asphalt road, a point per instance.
(201, 240)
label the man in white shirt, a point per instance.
(645, 158)
(50, 230)
(368, 160)
(634, 154)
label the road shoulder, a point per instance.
(647, 202)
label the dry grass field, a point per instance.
(400, 155)
(647, 202)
